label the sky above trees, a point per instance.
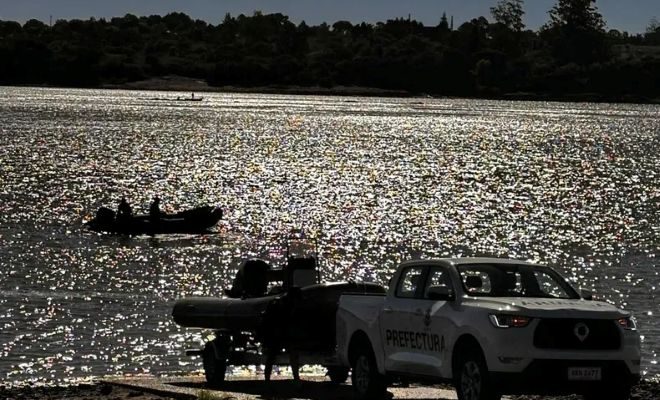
(625, 15)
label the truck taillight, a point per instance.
(627, 323)
(509, 321)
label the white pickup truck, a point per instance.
(490, 327)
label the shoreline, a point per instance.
(179, 83)
(253, 387)
(174, 83)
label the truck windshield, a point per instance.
(514, 280)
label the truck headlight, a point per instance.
(509, 321)
(627, 323)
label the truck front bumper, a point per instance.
(551, 377)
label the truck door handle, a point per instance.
(387, 309)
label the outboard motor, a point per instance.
(105, 216)
(216, 214)
(251, 280)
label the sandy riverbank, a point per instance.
(80, 392)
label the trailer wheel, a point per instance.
(215, 365)
(337, 375)
(368, 383)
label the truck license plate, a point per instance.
(584, 374)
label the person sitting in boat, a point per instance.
(154, 209)
(124, 211)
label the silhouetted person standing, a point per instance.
(281, 333)
(124, 211)
(154, 209)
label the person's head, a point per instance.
(156, 199)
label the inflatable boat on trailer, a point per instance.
(268, 310)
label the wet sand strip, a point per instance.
(281, 387)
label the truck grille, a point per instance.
(578, 334)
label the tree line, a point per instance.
(573, 54)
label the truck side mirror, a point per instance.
(440, 293)
(587, 294)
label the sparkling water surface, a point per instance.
(375, 180)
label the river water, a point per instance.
(375, 180)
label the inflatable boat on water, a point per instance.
(196, 220)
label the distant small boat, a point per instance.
(177, 99)
(196, 220)
(191, 98)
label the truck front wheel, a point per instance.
(471, 378)
(367, 382)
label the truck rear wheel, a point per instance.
(337, 375)
(215, 365)
(472, 379)
(367, 382)
(609, 392)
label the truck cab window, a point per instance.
(549, 287)
(514, 281)
(409, 282)
(437, 277)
